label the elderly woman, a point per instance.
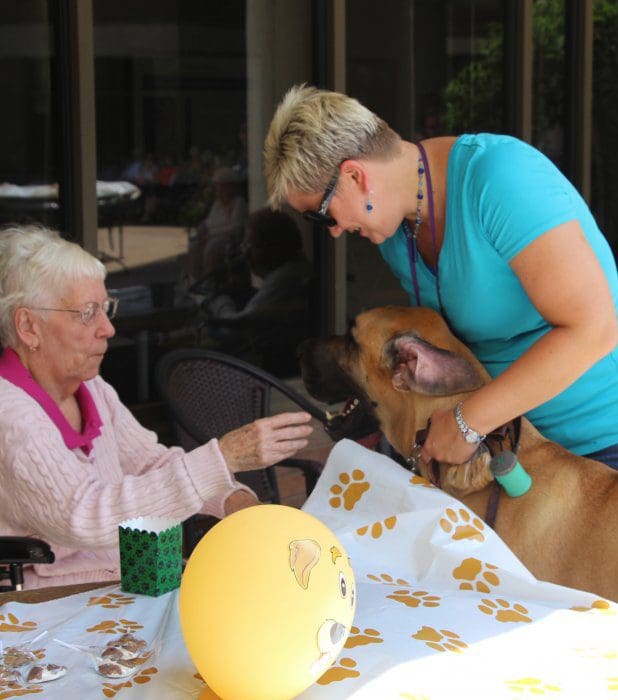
(73, 460)
(486, 230)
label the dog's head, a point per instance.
(394, 367)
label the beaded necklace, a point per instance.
(423, 176)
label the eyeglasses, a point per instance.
(90, 310)
(321, 216)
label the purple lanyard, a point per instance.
(412, 250)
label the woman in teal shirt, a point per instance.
(486, 230)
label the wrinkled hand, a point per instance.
(238, 500)
(265, 441)
(445, 442)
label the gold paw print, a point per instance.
(504, 611)
(416, 598)
(358, 638)
(534, 686)
(113, 600)
(596, 653)
(440, 640)
(346, 668)
(144, 676)
(377, 529)
(116, 627)
(467, 527)
(599, 605)
(476, 575)
(11, 623)
(15, 690)
(417, 480)
(350, 489)
(388, 580)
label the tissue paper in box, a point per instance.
(150, 555)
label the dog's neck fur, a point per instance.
(560, 480)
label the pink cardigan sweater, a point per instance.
(75, 500)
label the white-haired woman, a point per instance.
(486, 230)
(74, 462)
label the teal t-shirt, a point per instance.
(501, 195)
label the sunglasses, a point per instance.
(321, 216)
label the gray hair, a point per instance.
(36, 264)
(312, 132)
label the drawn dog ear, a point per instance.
(420, 366)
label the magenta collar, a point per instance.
(12, 369)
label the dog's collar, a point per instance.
(506, 437)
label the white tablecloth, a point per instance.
(445, 610)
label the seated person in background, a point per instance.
(267, 326)
(273, 248)
(227, 216)
(74, 462)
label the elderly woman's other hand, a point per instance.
(265, 441)
(238, 500)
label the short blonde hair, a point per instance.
(312, 132)
(36, 264)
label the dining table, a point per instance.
(444, 610)
(41, 201)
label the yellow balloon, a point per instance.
(267, 600)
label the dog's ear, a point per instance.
(420, 366)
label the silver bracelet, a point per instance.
(471, 436)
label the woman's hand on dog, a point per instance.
(445, 441)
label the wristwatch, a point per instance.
(472, 437)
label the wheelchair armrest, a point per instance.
(24, 550)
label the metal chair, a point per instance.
(17, 551)
(209, 394)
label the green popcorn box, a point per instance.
(150, 555)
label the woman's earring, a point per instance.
(369, 205)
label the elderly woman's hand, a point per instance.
(265, 441)
(238, 500)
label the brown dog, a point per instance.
(401, 364)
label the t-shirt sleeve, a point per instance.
(520, 195)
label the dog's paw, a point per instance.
(503, 611)
(476, 575)
(462, 526)
(415, 598)
(377, 529)
(358, 638)
(344, 668)
(440, 640)
(349, 490)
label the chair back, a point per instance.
(209, 394)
